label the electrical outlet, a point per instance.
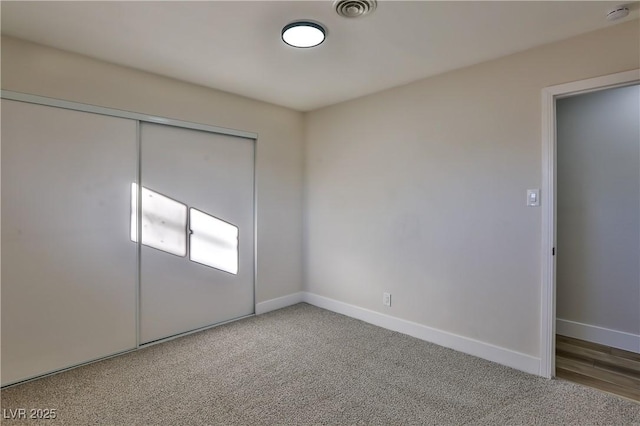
(386, 299)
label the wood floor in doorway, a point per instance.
(601, 367)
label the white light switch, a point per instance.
(533, 197)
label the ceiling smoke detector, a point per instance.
(618, 13)
(354, 8)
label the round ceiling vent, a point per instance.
(354, 8)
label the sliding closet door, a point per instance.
(68, 265)
(197, 228)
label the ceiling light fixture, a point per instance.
(303, 34)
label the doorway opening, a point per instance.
(582, 351)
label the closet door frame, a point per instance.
(145, 118)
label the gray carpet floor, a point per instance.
(305, 365)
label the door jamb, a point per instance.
(548, 198)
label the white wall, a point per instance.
(598, 217)
(39, 70)
(420, 191)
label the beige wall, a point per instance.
(40, 70)
(420, 191)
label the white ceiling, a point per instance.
(235, 45)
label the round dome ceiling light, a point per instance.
(354, 8)
(303, 34)
(618, 13)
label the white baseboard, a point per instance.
(278, 303)
(601, 335)
(517, 360)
